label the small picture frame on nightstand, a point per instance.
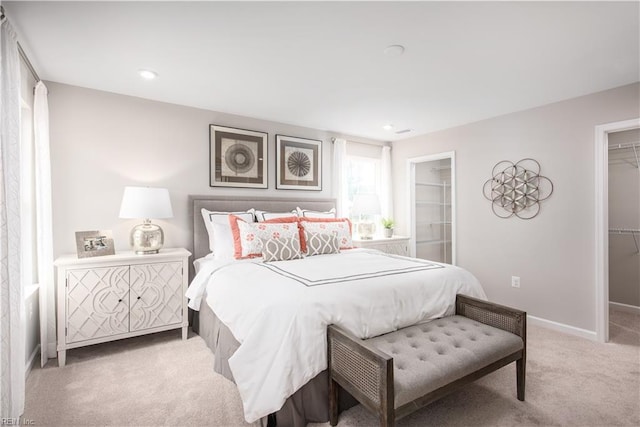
(94, 243)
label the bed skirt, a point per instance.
(310, 404)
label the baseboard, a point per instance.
(561, 327)
(31, 360)
(624, 307)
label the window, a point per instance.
(363, 175)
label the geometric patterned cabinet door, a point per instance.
(156, 295)
(396, 245)
(119, 296)
(97, 302)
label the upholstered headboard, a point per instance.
(200, 243)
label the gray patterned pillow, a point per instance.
(321, 244)
(281, 249)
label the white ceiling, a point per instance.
(321, 64)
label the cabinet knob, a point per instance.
(120, 300)
(139, 297)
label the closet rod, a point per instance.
(625, 230)
(624, 146)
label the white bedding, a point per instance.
(279, 311)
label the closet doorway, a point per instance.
(432, 207)
(617, 223)
(624, 233)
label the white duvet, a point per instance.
(279, 311)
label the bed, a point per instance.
(266, 322)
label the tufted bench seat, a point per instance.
(397, 373)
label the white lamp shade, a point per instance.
(146, 202)
(366, 204)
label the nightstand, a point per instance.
(396, 245)
(120, 296)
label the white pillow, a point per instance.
(223, 243)
(305, 213)
(212, 217)
(266, 216)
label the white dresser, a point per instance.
(120, 296)
(396, 245)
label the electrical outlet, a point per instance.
(515, 281)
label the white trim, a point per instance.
(411, 178)
(31, 360)
(561, 327)
(624, 307)
(602, 221)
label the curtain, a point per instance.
(44, 234)
(339, 176)
(386, 195)
(12, 318)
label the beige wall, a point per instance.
(553, 253)
(102, 142)
(624, 212)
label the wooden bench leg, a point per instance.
(333, 402)
(520, 373)
(387, 421)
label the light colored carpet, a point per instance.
(162, 380)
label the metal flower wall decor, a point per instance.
(517, 189)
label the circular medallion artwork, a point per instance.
(517, 189)
(239, 158)
(298, 164)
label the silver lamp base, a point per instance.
(366, 230)
(146, 238)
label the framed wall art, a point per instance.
(94, 243)
(298, 163)
(237, 157)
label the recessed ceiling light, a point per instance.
(394, 50)
(148, 74)
(387, 127)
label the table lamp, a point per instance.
(146, 203)
(365, 206)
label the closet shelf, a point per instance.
(431, 242)
(625, 146)
(624, 230)
(432, 203)
(433, 184)
(630, 231)
(635, 146)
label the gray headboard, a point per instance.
(200, 243)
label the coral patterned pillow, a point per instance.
(338, 227)
(248, 237)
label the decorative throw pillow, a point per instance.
(247, 237)
(225, 240)
(305, 213)
(262, 216)
(281, 249)
(321, 244)
(338, 227)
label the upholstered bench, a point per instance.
(397, 373)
